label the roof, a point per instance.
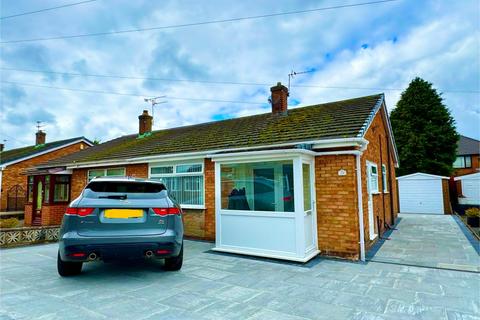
(472, 176)
(20, 154)
(421, 176)
(340, 119)
(467, 146)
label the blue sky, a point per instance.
(379, 48)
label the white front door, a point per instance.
(372, 187)
(309, 205)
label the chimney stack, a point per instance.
(40, 137)
(279, 98)
(144, 123)
(2, 146)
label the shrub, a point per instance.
(8, 223)
(473, 212)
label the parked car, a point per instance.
(118, 219)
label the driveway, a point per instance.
(216, 286)
(438, 241)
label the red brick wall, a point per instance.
(377, 152)
(337, 209)
(53, 214)
(209, 199)
(28, 215)
(12, 175)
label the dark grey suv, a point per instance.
(118, 219)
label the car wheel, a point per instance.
(67, 269)
(174, 263)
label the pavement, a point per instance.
(438, 241)
(220, 286)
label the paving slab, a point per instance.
(214, 286)
(438, 241)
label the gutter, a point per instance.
(358, 169)
(326, 143)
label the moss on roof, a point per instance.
(340, 119)
(19, 153)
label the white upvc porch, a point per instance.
(265, 204)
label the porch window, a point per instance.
(46, 198)
(373, 176)
(30, 189)
(258, 186)
(463, 162)
(61, 190)
(384, 178)
(110, 172)
(183, 181)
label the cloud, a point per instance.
(381, 46)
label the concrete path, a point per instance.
(431, 241)
(215, 286)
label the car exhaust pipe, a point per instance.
(92, 256)
(149, 254)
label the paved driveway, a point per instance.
(214, 286)
(431, 241)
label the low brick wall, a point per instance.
(28, 235)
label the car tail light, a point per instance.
(82, 212)
(166, 211)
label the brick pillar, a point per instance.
(209, 199)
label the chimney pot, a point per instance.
(40, 137)
(279, 98)
(144, 123)
(2, 146)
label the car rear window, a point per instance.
(125, 187)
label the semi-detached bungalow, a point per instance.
(286, 184)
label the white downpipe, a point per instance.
(360, 207)
(357, 154)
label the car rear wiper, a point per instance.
(120, 197)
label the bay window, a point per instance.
(184, 182)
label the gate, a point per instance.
(16, 198)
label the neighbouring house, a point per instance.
(464, 184)
(285, 184)
(18, 191)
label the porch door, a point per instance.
(38, 195)
(308, 206)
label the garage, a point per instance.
(470, 189)
(423, 193)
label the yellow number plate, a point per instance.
(123, 213)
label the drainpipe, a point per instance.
(357, 154)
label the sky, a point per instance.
(348, 52)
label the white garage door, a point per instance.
(421, 195)
(471, 191)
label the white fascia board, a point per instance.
(326, 143)
(369, 121)
(264, 154)
(475, 175)
(44, 152)
(421, 174)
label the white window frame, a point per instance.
(183, 174)
(384, 179)
(373, 175)
(105, 172)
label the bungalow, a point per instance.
(286, 184)
(15, 190)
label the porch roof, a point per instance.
(340, 119)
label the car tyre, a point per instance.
(67, 269)
(174, 263)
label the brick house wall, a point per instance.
(337, 208)
(377, 152)
(13, 174)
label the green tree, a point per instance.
(424, 131)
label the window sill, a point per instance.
(376, 193)
(385, 192)
(189, 206)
